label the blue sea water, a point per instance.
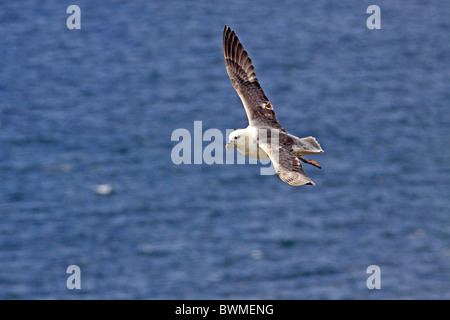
(83, 108)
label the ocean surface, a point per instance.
(87, 177)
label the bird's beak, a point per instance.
(229, 145)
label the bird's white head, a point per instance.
(237, 137)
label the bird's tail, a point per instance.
(308, 145)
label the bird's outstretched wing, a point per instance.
(285, 161)
(242, 74)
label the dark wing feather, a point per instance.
(285, 161)
(242, 74)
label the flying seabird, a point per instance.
(264, 138)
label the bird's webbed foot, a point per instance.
(311, 162)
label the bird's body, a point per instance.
(264, 138)
(250, 148)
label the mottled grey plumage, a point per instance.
(283, 149)
(242, 74)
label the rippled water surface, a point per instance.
(97, 106)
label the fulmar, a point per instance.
(264, 138)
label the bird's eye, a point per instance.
(235, 138)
